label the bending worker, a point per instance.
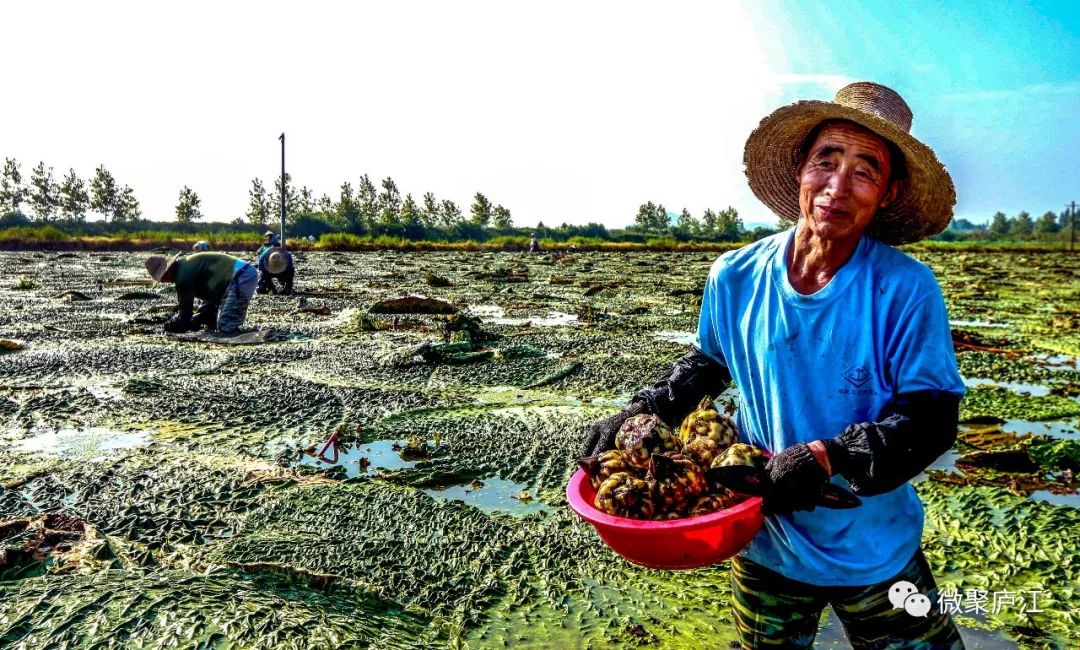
(222, 282)
(840, 347)
(275, 262)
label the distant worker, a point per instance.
(201, 246)
(276, 263)
(311, 239)
(534, 244)
(222, 282)
(271, 241)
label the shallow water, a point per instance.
(92, 443)
(495, 495)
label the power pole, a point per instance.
(282, 138)
(1071, 207)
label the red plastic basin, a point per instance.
(676, 544)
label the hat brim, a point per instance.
(169, 264)
(924, 207)
(276, 261)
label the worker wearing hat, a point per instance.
(841, 350)
(274, 262)
(222, 282)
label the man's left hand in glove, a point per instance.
(797, 478)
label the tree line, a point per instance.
(1050, 226)
(68, 200)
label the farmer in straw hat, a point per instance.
(841, 350)
(224, 283)
(276, 263)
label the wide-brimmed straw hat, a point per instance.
(158, 265)
(277, 260)
(924, 206)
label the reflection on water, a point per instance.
(91, 443)
(492, 495)
(360, 460)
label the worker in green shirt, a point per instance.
(224, 283)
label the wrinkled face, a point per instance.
(844, 181)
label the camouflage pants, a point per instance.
(237, 298)
(774, 611)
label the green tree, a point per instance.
(999, 224)
(660, 221)
(644, 218)
(389, 203)
(258, 212)
(430, 212)
(347, 211)
(410, 217)
(708, 223)
(12, 191)
(127, 206)
(104, 193)
(325, 205)
(187, 208)
(687, 224)
(480, 211)
(450, 214)
(367, 200)
(728, 225)
(306, 200)
(1022, 227)
(501, 217)
(292, 201)
(44, 192)
(74, 199)
(1047, 224)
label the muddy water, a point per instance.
(187, 457)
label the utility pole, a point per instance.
(1071, 208)
(282, 138)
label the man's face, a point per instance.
(844, 181)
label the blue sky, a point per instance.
(562, 111)
(994, 86)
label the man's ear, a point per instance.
(890, 194)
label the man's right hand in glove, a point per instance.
(180, 323)
(671, 399)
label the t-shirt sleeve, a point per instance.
(709, 333)
(921, 355)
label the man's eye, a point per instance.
(824, 163)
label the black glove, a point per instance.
(206, 316)
(180, 322)
(671, 399)
(797, 481)
(602, 434)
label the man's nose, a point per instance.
(839, 182)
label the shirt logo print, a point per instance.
(857, 376)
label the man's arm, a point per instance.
(671, 399)
(912, 431)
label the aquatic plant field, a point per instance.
(157, 491)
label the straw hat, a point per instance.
(159, 265)
(277, 260)
(924, 206)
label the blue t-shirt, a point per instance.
(807, 367)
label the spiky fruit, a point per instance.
(642, 436)
(624, 495)
(740, 454)
(706, 421)
(719, 500)
(679, 481)
(602, 466)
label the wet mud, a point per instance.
(209, 521)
